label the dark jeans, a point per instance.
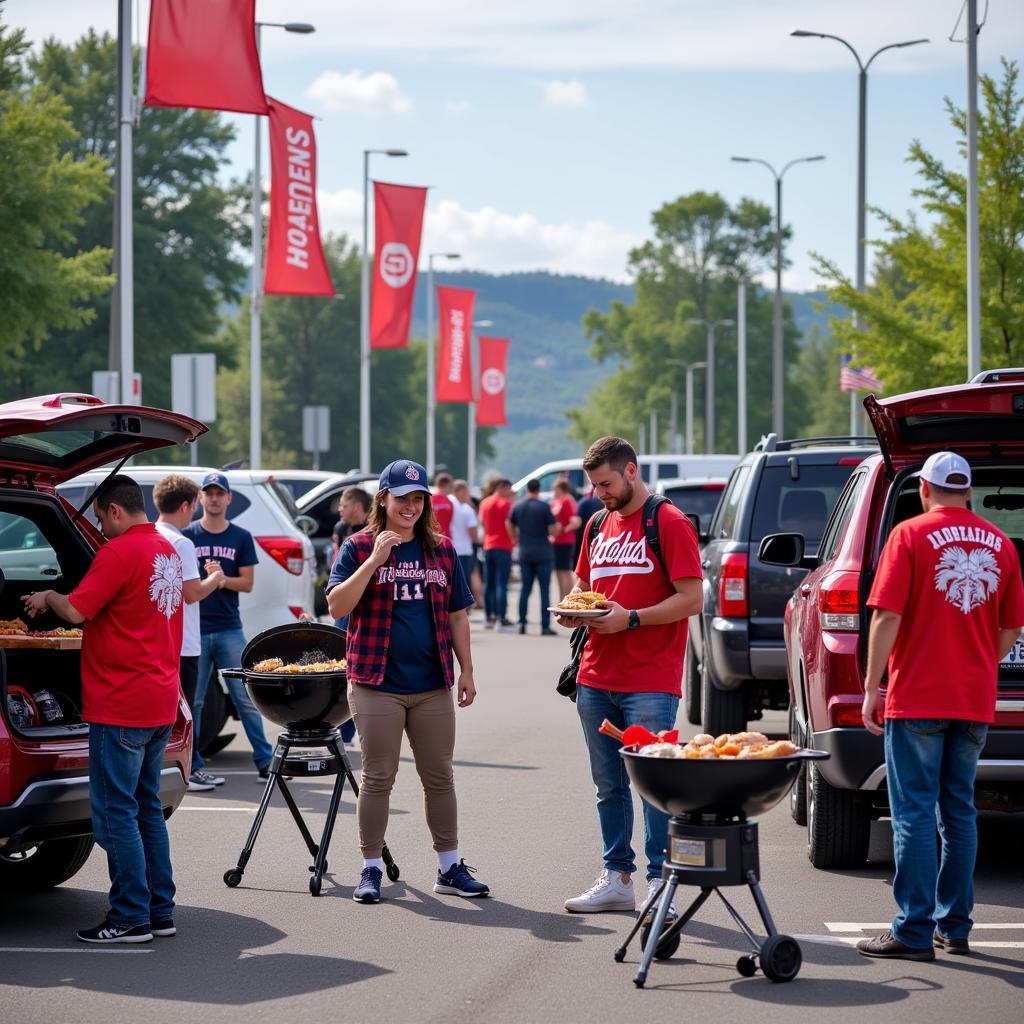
(497, 569)
(535, 567)
(188, 673)
(128, 820)
(930, 766)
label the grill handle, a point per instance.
(233, 673)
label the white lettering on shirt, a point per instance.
(619, 556)
(970, 534)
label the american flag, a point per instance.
(858, 378)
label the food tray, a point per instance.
(579, 613)
(42, 643)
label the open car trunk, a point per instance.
(41, 693)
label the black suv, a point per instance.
(736, 656)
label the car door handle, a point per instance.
(805, 589)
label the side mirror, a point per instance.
(782, 549)
(702, 538)
(307, 524)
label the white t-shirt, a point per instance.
(186, 550)
(463, 521)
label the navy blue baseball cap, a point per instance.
(403, 477)
(215, 480)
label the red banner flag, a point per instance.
(202, 53)
(398, 220)
(295, 257)
(454, 356)
(490, 405)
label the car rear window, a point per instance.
(76, 494)
(803, 505)
(697, 501)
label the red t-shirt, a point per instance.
(443, 512)
(494, 513)
(955, 581)
(619, 565)
(564, 509)
(131, 600)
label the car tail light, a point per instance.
(839, 602)
(851, 460)
(286, 551)
(732, 585)
(847, 714)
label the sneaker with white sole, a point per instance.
(609, 892)
(108, 933)
(652, 886)
(203, 778)
(458, 880)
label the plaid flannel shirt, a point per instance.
(369, 624)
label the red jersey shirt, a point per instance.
(494, 513)
(955, 581)
(131, 600)
(443, 512)
(564, 509)
(619, 565)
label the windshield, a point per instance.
(803, 505)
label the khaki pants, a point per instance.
(428, 719)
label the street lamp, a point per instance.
(690, 367)
(862, 102)
(364, 314)
(256, 305)
(709, 379)
(777, 351)
(431, 394)
(471, 426)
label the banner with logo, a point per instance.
(295, 256)
(455, 354)
(203, 54)
(398, 223)
(490, 403)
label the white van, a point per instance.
(652, 468)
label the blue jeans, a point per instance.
(656, 711)
(128, 820)
(224, 649)
(538, 569)
(497, 569)
(931, 764)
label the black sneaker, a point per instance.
(522, 629)
(459, 881)
(107, 933)
(958, 947)
(368, 889)
(262, 774)
(164, 928)
(547, 631)
(887, 947)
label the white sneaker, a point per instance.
(609, 892)
(652, 885)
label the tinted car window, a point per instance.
(841, 517)
(785, 505)
(76, 495)
(697, 501)
(725, 520)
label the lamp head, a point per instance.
(803, 33)
(302, 27)
(396, 152)
(740, 159)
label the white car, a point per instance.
(301, 481)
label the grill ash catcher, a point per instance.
(311, 706)
(713, 844)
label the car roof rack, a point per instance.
(771, 442)
(1006, 373)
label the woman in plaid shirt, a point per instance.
(401, 585)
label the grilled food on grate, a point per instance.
(13, 627)
(583, 601)
(313, 661)
(737, 746)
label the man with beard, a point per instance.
(632, 664)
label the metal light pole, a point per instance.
(123, 255)
(709, 379)
(862, 102)
(741, 367)
(973, 253)
(689, 367)
(256, 302)
(431, 384)
(364, 314)
(471, 424)
(778, 371)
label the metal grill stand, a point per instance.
(295, 755)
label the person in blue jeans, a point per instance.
(532, 525)
(225, 546)
(948, 606)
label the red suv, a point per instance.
(826, 621)
(45, 820)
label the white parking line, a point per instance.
(852, 940)
(860, 926)
(875, 926)
(59, 949)
(195, 807)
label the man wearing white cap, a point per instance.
(948, 606)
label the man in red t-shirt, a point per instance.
(632, 665)
(130, 602)
(948, 606)
(495, 510)
(563, 505)
(443, 502)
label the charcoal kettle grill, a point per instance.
(311, 706)
(712, 844)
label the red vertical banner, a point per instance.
(295, 255)
(490, 403)
(398, 224)
(202, 53)
(454, 355)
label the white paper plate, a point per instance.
(579, 613)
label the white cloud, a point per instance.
(569, 95)
(375, 93)
(456, 108)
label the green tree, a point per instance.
(825, 410)
(915, 316)
(50, 272)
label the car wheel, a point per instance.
(721, 710)
(215, 714)
(691, 685)
(44, 866)
(798, 794)
(838, 824)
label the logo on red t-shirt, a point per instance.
(968, 579)
(165, 584)
(619, 555)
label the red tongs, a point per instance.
(637, 734)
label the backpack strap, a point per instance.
(596, 521)
(650, 523)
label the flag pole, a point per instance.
(123, 256)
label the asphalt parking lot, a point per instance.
(268, 949)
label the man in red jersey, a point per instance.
(632, 666)
(443, 502)
(495, 510)
(130, 602)
(948, 606)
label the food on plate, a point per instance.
(13, 627)
(583, 601)
(60, 631)
(299, 667)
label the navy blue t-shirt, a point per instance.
(234, 549)
(532, 517)
(414, 662)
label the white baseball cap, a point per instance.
(947, 469)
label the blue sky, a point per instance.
(550, 132)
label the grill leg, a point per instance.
(261, 813)
(320, 863)
(620, 953)
(762, 906)
(652, 943)
(296, 815)
(676, 927)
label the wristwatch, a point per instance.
(634, 619)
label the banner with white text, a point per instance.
(454, 355)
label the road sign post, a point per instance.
(194, 390)
(316, 431)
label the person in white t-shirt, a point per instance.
(175, 499)
(465, 537)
